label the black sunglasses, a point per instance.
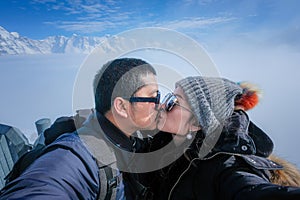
(155, 100)
(170, 100)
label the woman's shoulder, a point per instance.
(224, 161)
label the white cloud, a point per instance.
(72, 7)
(43, 1)
(197, 2)
(44, 88)
(88, 27)
(195, 23)
(89, 16)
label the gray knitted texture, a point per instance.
(211, 99)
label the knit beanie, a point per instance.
(211, 99)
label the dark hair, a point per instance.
(119, 78)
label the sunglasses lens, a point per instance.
(169, 106)
(169, 101)
(165, 98)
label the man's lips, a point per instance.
(159, 116)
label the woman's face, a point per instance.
(177, 121)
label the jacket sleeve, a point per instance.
(240, 181)
(58, 174)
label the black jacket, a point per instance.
(234, 169)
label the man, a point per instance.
(126, 100)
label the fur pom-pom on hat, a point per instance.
(249, 98)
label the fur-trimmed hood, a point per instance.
(288, 176)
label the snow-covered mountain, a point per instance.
(13, 43)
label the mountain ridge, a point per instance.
(12, 43)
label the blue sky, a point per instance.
(251, 40)
(38, 19)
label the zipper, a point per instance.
(170, 194)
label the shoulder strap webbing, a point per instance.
(109, 181)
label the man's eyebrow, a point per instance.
(155, 91)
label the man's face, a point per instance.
(143, 114)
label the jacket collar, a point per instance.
(239, 136)
(114, 134)
(234, 137)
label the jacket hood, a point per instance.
(238, 136)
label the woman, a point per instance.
(222, 161)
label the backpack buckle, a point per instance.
(115, 181)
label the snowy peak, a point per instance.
(13, 43)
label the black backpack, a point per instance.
(109, 180)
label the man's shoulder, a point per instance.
(67, 140)
(59, 166)
(71, 142)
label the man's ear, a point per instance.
(121, 106)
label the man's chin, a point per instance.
(160, 123)
(150, 127)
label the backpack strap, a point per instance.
(109, 182)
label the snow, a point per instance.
(14, 44)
